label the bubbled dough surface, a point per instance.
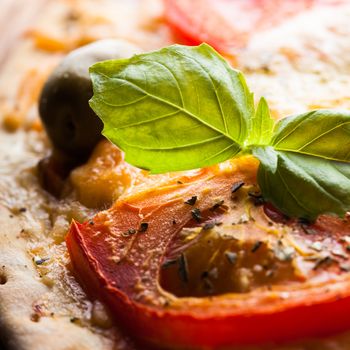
(36, 312)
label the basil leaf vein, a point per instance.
(261, 126)
(184, 107)
(301, 185)
(320, 133)
(174, 109)
(305, 171)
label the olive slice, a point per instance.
(72, 126)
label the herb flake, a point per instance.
(183, 268)
(236, 186)
(191, 201)
(196, 214)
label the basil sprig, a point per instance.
(184, 107)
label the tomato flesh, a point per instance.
(119, 261)
(228, 25)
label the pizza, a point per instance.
(97, 253)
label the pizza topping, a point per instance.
(104, 177)
(196, 214)
(231, 257)
(74, 320)
(154, 99)
(177, 277)
(39, 261)
(236, 186)
(130, 231)
(191, 201)
(218, 205)
(256, 246)
(70, 123)
(217, 249)
(228, 25)
(100, 316)
(183, 268)
(209, 128)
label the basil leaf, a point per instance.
(184, 107)
(301, 185)
(321, 133)
(261, 125)
(174, 109)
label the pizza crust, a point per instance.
(42, 306)
(34, 309)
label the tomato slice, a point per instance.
(228, 24)
(119, 256)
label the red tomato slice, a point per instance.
(228, 24)
(119, 258)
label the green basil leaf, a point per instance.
(301, 185)
(261, 125)
(320, 133)
(184, 107)
(174, 109)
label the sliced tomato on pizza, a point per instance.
(229, 24)
(196, 263)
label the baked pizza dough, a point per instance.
(304, 63)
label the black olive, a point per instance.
(72, 126)
(70, 123)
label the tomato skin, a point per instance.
(186, 19)
(172, 328)
(228, 320)
(228, 25)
